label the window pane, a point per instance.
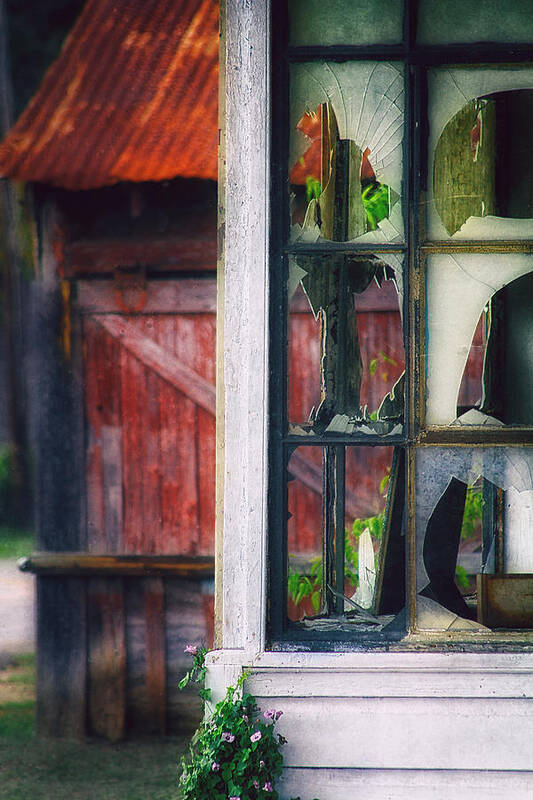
(480, 21)
(345, 543)
(345, 164)
(346, 353)
(344, 22)
(474, 544)
(483, 302)
(481, 161)
(304, 532)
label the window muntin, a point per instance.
(419, 143)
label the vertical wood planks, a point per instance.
(107, 658)
(61, 656)
(155, 652)
(151, 468)
(104, 440)
(170, 419)
(146, 655)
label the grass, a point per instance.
(15, 543)
(70, 770)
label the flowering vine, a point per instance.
(235, 754)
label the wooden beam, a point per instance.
(107, 658)
(61, 656)
(183, 296)
(190, 567)
(166, 365)
(193, 253)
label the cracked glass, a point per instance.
(479, 339)
(474, 545)
(481, 160)
(345, 162)
(346, 352)
(354, 572)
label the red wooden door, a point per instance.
(150, 401)
(149, 397)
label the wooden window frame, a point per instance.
(417, 60)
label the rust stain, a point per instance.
(131, 97)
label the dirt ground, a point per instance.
(17, 613)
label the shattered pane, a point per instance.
(346, 354)
(481, 162)
(474, 519)
(349, 494)
(344, 22)
(465, 293)
(438, 23)
(345, 163)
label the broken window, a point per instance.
(480, 154)
(346, 355)
(465, 294)
(345, 163)
(353, 495)
(474, 543)
(401, 329)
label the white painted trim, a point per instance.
(246, 323)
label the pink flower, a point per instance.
(233, 797)
(256, 784)
(278, 714)
(270, 713)
(267, 787)
(215, 767)
(228, 737)
(261, 763)
(192, 649)
(255, 736)
(245, 718)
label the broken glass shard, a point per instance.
(480, 160)
(474, 515)
(465, 297)
(346, 354)
(351, 494)
(345, 164)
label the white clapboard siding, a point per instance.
(370, 784)
(406, 732)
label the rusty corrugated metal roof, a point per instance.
(131, 97)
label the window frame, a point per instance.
(417, 61)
